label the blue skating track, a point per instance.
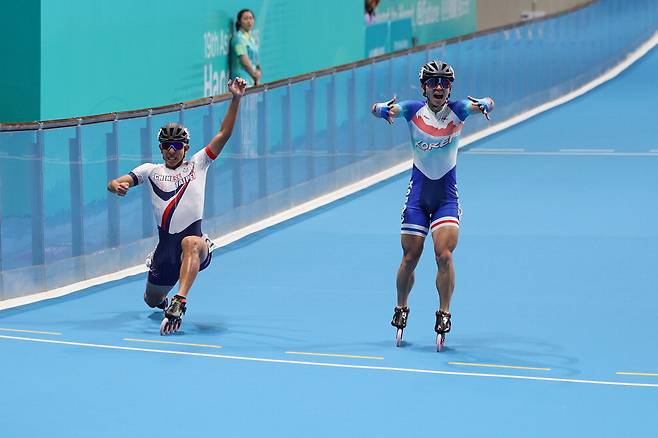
(287, 333)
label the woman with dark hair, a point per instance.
(244, 49)
(371, 5)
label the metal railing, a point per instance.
(295, 140)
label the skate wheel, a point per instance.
(164, 327)
(398, 337)
(176, 325)
(440, 340)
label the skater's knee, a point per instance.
(191, 244)
(444, 257)
(151, 300)
(193, 247)
(410, 259)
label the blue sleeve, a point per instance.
(461, 108)
(410, 107)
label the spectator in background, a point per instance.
(371, 5)
(244, 49)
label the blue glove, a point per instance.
(485, 105)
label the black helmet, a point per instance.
(434, 69)
(173, 132)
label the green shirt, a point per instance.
(243, 43)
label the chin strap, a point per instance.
(177, 164)
(442, 106)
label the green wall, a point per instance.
(72, 58)
(399, 22)
(20, 46)
(120, 55)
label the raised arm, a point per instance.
(236, 87)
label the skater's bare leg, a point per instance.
(155, 294)
(195, 251)
(412, 248)
(445, 242)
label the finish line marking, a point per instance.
(334, 365)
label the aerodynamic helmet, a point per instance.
(174, 132)
(434, 69)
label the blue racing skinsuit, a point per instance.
(432, 201)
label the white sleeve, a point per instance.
(203, 159)
(140, 173)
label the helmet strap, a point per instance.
(177, 164)
(428, 99)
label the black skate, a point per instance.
(163, 305)
(173, 315)
(441, 327)
(400, 321)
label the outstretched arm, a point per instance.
(121, 185)
(387, 110)
(236, 87)
(484, 106)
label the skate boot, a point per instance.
(441, 327)
(163, 305)
(400, 322)
(173, 315)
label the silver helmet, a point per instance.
(173, 132)
(435, 69)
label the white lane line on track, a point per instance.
(564, 154)
(349, 356)
(496, 150)
(586, 150)
(334, 365)
(152, 341)
(491, 365)
(38, 332)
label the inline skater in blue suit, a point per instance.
(432, 201)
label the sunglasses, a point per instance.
(433, 82)
(177, 145)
